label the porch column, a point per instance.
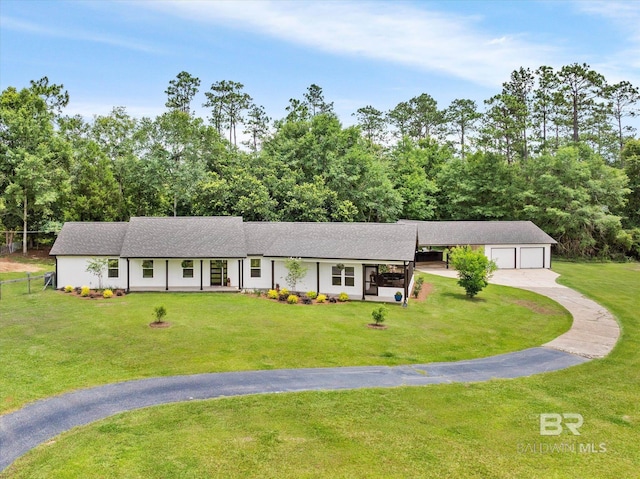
(273, 286)
(318, 277)
(239, 274)
(406, 285)
(364, 281)
(128, 275)
(166, 274)
(201, 261)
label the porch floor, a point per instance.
(381, 299)
(187, 289)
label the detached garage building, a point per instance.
(511, 244)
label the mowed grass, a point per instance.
(481, 430)
(51, 342)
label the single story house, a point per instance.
(218, 253)
(365, 260)
(511, 244)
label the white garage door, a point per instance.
(532, 257)
(505, 258)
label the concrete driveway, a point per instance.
(594, 331)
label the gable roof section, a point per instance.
(89, 239)
(184, 237)
(449, 233)
(363, 241)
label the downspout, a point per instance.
(364, 281)
(128, 285)
(166, 274)
(239, 274)
(273, 286)
(318, 277)
(201, 275)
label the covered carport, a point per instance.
(511, 244)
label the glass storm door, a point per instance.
(370, 280)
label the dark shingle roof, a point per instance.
(374, 241)
(85, 239)
(449, 233)
(185, 237)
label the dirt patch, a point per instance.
(533, 306)
(376, 326)
(161, 324)
(8, 266)
(427, 289)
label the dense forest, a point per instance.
(553, 147)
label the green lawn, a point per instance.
(461, 430)
(52, 342)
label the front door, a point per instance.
(371, 280)
(219, 272)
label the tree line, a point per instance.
(553, 147)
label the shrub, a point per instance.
(159, 312)
(312, 295)
(119, 293)
(420, 280)
(379, 314)
(68, 288)
(321, 298)
(416, 289)
(283, 296)
(332, 300)
(272, 294)
(284, 291)
(84, 291)
(474, 269)
(107, 294)
(342, 297)
(307, 300)
(292, 299)
(257, 292)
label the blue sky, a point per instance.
(361, 53)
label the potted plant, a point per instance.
(398, 296)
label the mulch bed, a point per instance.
(426, 290)
(95, 294)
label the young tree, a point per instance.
(474, 269)
(295, 272)
(96, 267)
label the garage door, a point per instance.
(505, 258)
(532, 257)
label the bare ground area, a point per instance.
(8, 266)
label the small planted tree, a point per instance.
(474, 269)
(96, 267)
(379, 315)
(295, 272)
(159, 312)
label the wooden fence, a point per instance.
(49, 280)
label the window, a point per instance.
(349, 276)
(338, 273)
(255, 268)
(112, 268)
(187, 268)
(147, 268)
(336, 276)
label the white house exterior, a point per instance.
(218, 253)
(224, 253)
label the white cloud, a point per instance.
(395, 32)
(15, 24)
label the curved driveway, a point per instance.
(593, 336)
